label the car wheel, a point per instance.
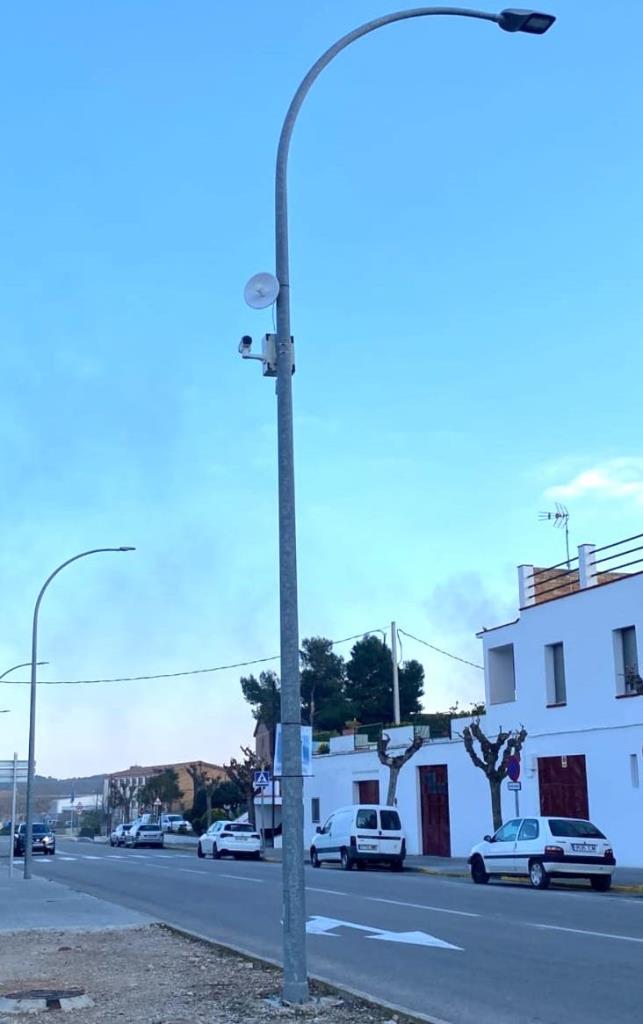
(397, 864)
(112, 843)
(256, 855)
(314, 859)
(478, 873)
(538, 876)
(346, 862)
(601, 883)
(199, 852)
(216, 853)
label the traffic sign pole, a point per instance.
(14, 789)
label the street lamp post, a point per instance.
(295, 983)
(32, 704)
(23, 664)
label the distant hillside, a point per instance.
(47, 789)
(46, 785)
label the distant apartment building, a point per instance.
(131, 781)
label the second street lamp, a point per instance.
(32, 704)
(278, 361)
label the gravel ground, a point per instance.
(154, 976)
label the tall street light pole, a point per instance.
(295, 984)
(23, 664)
(32, 706)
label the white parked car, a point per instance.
(234, 837)
(359, 835)
(144, 835)
(545, 848)
(175, 823)
(117, 838)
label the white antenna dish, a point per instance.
(261, 291)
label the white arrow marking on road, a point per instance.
(327, 925)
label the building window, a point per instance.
(555, 674)
(502, 674)
(626, 660)
(634, 770)
(315, 810)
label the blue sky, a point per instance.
(466, 215)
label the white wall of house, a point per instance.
(335, 777)
(596, 719)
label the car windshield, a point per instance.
(234, 827)
(575, 829)
(148, 828)
(390, 821)
(38, 830)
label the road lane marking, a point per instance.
(421, 906)
(397, 903)
(583, 931)
(331, 892)
(191, 871)
(244, 878)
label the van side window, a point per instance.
(390, 821)
(326, 828)
(366, 819)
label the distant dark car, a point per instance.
(43, 840)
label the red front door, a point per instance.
(563, 786)
(436, 827)
(368, 792)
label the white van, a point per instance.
(360, 834)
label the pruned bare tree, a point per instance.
(395, 763)
(493, 758)
(241, 773)
(120, 795)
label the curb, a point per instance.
(420, 1018)
(629, 889)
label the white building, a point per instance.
(568, 669)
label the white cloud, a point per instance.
(620, 478)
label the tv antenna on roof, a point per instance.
(560, 519)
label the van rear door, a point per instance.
(367, 831)
(390, 836)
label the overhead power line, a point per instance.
(439, 650)
(217, 668)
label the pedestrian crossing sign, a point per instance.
(262, 779)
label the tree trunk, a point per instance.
(496, 803)
(392, 785)
(251, 807)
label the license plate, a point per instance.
(584, 847)
(368, 846)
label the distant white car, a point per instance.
(232, 837)
(117, 838)
(544, 848)
(175, 823)
(144, 835)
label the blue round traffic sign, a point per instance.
(513, 768)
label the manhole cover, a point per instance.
(35, 999)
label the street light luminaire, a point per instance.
(533, 22)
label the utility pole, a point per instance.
(396, 681)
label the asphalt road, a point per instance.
(502, 953)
